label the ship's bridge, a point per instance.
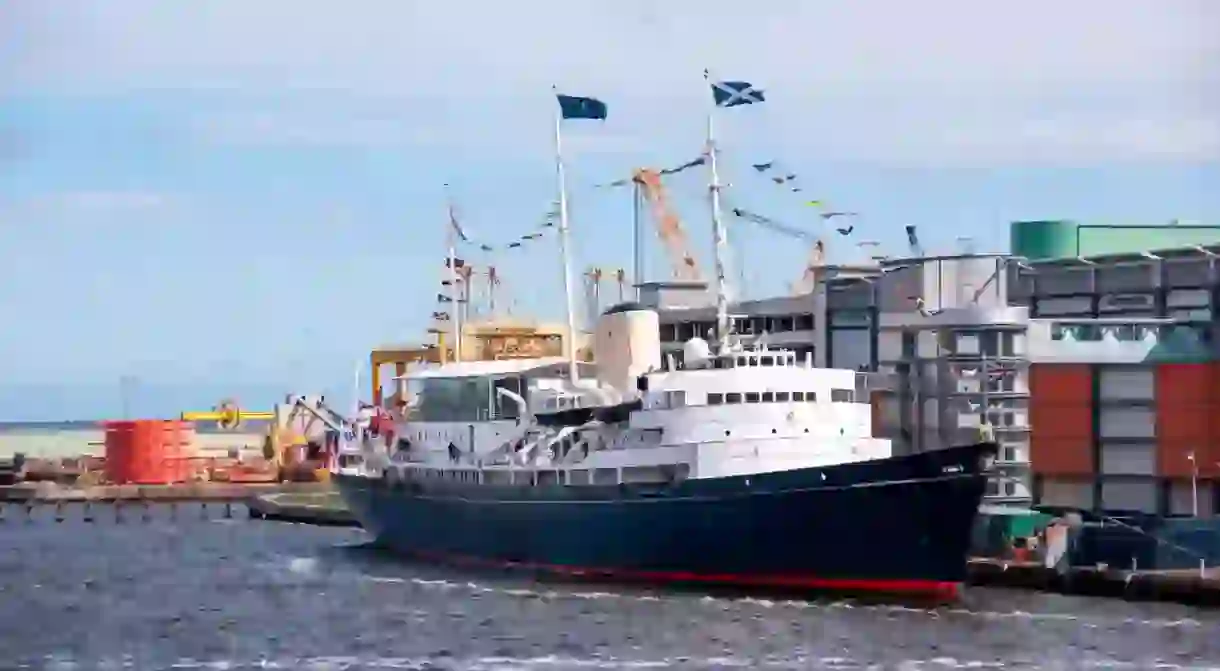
(748, 376)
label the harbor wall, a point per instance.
(62, 444)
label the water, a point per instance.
(203, 592)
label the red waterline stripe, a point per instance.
(934, 588)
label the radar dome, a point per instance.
(695, 353)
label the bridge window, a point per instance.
(732, 398)
(466, 399)
(768, 397)
(715, 399)
(842, 396)
(798, 396)
(811, 397)
(752, 397)
(766, 361)
(781, 397)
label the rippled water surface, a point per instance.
(203, 592)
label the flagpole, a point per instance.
(561, 178)
(721, 239)
(455, 294)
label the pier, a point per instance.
(219, 492)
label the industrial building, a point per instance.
(1123, 416)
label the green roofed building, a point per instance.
(1048, 240)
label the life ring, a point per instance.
(230, 416)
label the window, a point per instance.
(842, 396)
(742, 362)
(804, 322)
(781, 324)
(766, 361)
(993, 488)
(811, 397)
(676, 399)
(798, 396)
(908, 344)
(715, 399)
(751, 397)
(732, 398)
(781, 397)
(768, 397)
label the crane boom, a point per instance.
(776, 226)
(669, 227)
(817, 253)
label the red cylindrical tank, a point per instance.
(147, 451)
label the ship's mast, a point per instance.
(455, 292)
(720, 249)
(569, 299)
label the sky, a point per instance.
(200, 200)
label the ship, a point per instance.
(742, 466)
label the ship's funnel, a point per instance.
(626, 344)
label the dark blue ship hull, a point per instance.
(898, 525)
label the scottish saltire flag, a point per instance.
(577, 107)
(732, 94)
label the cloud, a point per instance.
(948, 80)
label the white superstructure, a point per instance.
(739, 412)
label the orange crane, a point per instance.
(669, 227)
(817, 252)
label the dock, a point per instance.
(323, 508)
(205, 492)
(1192, 587)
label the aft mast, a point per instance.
(570, 107)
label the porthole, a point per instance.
(728, 433)
(774, 431)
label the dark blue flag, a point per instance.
(576, 107)
(732, 94)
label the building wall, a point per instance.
(953, 351)
(1113, 430)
